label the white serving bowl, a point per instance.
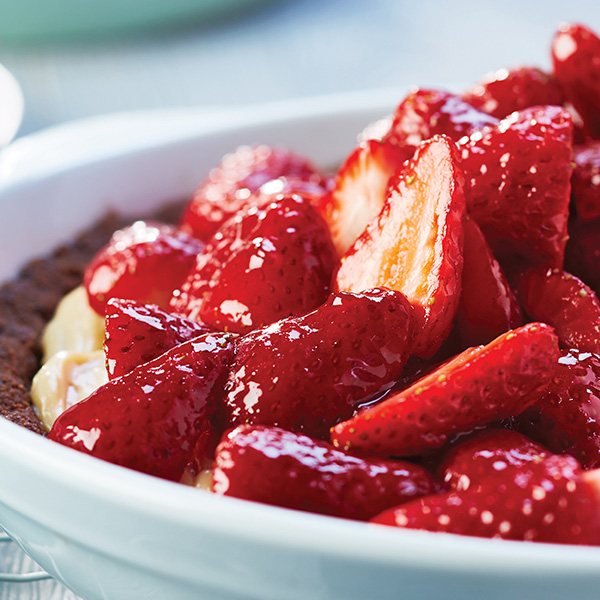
(107, 532)
(11, 106)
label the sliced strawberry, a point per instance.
(483, 384)
(264, 264)
(425, 113)
(508, 90)
(518, 184)
(274, 466)
(582, 254)
(137, 333)
(144, 262)
(585, 181)
(149, 419)
(565, 302)
(306, 373)
(567, 418)
(545, 501)
(488, 306)
(377, 130)
(230, 185)
(415, 244)
(576, 60)
(359, 189)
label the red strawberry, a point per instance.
(149, 419)
(144, 262)
(230, 185)
(545, 501)
(488, 306)
(518, 184)
(359, 189)
(585, 181)
(425, 113)
(415, 244)
(264, 264)
(508, 90)
(483, 384)
(565, 302)
(576, 60)
(274, 466)
(582, 254)
(567, 418)
(137, 333)
(306, 373)
(377, 130)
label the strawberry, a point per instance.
(230, 185)
(143, 262)
(425, 113)
(264, 264)
(149, 419)
(359, 189)
(518, 184)
(306, 373)
(576, 61)
(548, 500)
(480, 385)
(377, 130)
(585, 182)
(488, 306)
(137, 333)
(274, 466)
(565, 302)
(508, 90)
(583, 251)
(415, 244)
(567, 418)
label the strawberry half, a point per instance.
(518, 184)
(359, 189)
(567, 417)
(582, 254)
(576, 61)
(264, 264)
(565, 302)
(137, 333)
(144, 262)
(481, 385)
(543, 501)
(508, 90)
(585, 182)
(488, 306)
(415, 244)
(230, 185)
(306, 373)
(425, 113)
(274, 466)
(149, 419)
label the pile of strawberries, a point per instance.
(398, 342)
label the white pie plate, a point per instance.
(107, 532)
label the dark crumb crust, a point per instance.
(28, 302)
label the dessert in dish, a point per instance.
(435, 368)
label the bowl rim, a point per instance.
(12, 106)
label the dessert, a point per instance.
(397, 343)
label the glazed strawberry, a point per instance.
(425, 113)
(508, 90)
(306, 373)
(359, 189)
(230, 185)
(377, 130)
(264, 264)
(518, 184)
(585, 182)
(149, 419)
(144, 262)
(488, 306)
(583, 251)
(137, 333)
(547, 501)
(576, 61)
(567, 418)
(415, 244)
(274, 466)
(481, 385)
(565, 302)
